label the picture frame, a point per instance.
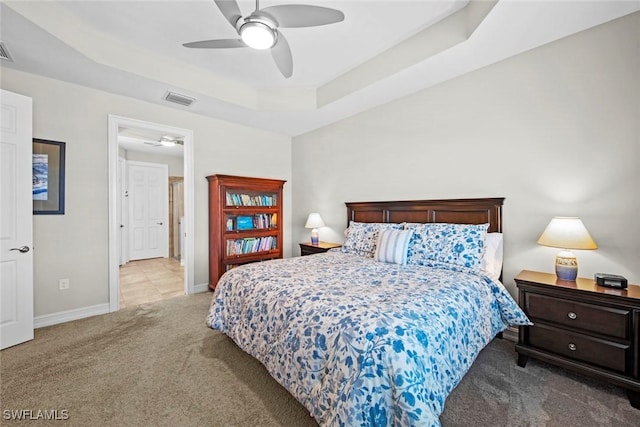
(48, 167)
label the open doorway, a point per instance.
(151, 212)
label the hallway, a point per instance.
(150, 280)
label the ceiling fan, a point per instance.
(165, 141)
(259, 30)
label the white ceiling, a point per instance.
(148, 141)
(383, 50)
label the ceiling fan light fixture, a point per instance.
(257, 35)
(167, 141)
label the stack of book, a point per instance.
(235, 199)
(251, 245)
(265, 220)
(255, 222)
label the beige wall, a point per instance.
(554, 130)
(75, 245)
(175, 164)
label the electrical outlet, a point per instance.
(63, 284)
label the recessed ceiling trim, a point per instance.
(453, 28)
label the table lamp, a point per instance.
(567, 233)
(314, 221)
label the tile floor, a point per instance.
(150, 280)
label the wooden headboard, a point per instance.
(458, 211)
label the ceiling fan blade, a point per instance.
(299, 15)
(281, 54)
(216, 44)
(230, 10)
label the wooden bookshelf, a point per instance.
(245, 222)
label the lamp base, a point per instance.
(315, 237)
(566, 266)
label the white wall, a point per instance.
(75, 245)
(175, 164)
(554, 130)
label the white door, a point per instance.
(16, 224)
(148, 189)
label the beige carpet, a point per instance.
(154, 365)
(160, 365)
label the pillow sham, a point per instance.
(361, 237)
(459, 244)
(492, 260)
(392, 246)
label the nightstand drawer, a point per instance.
(608, 354)
(308, 249)
(588, 317)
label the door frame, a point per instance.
(115, 122)
(121, 212)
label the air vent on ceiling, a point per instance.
(4, 53)
(179, 98)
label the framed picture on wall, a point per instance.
(48, 177)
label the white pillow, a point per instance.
(393, 246)
(492, 260)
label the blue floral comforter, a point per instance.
(360, 342)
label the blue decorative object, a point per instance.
(566, 266)
(244, 223)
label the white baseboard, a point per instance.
(81, 313)
(69, 315)
(202, 287)
(511, 334)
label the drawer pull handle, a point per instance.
(571, 315)
(572, 346)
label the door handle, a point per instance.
(22, 249)
(159, 223)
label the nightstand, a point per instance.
(307, 248)
(583, 327)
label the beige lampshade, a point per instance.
(314, 221)
(567, 233)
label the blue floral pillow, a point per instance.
(459, 244)
(361, 237)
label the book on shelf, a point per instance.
(240, 199)
(250, 245)
(232, 266)
(255, 222)
(265, 220)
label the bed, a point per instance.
(380, 331)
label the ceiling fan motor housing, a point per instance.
(258, 31)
